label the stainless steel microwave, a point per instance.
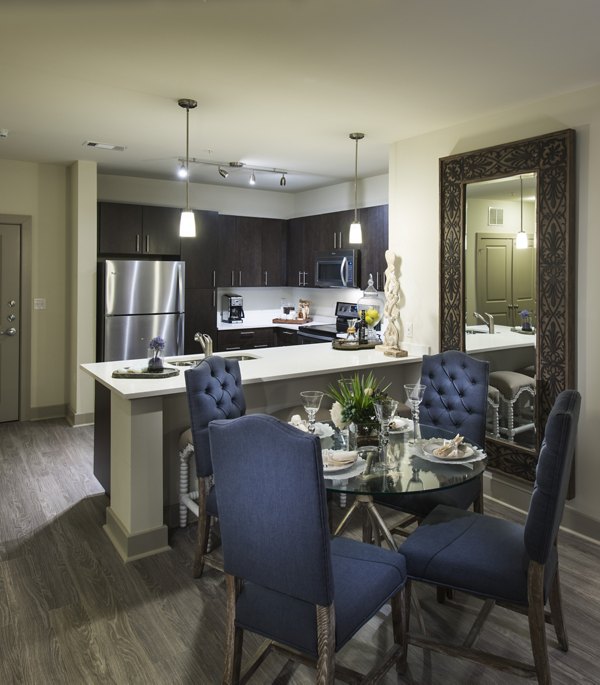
(337, 269)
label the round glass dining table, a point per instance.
(403, 467)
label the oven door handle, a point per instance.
(344, 272)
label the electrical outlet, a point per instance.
(409, 330)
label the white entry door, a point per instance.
(10, 324)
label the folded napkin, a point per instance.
(339, 457)
(297, 422)
(450, 449)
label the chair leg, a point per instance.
(556, 612)
(233, 635)
(406, 599)
(537, 625)
(184, 482)
(203, 529)
(325, 645)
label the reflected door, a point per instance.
(505, 278)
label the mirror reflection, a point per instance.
(500, 299)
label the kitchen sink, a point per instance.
(188, 363)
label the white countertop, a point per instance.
(502, 339)
(270, 364)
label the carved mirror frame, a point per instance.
(552, 157)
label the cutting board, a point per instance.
(293, 321)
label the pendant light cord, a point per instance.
(356, 181)
(187, 159)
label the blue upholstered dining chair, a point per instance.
(504, 562)
(214, 391)
(456, 391)
(286, 580)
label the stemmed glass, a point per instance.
(414, 395)
(311, 399)
(385, 411)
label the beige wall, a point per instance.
(414, 235)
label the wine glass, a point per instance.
(311, 399)
(385, 411)
(414, 395)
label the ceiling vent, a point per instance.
(104, 146)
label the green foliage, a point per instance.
(356, 396)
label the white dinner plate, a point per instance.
(467, 453)
(400, 425)
(332, 467)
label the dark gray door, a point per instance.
(10, 324)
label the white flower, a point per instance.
(336, 415)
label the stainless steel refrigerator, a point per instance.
(139, 300)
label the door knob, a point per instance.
(9, 331)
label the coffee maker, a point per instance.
(232, 308)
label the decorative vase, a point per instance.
(155, 364)
(363, 434)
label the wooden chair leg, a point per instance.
(203, 530)
(537, 625)
(325, 645)
(556, 612)
(233, 636)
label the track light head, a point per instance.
(223, 173)
(182, 171)
(252, 180)
(282, 181)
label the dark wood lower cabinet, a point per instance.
(285, 336)
(200, 317)
(245, 339)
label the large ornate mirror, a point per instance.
(536, 174)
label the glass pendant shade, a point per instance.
(355, 236)
(521, 241)
(187, 224)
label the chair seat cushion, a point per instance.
(471, 552)
(363, 576)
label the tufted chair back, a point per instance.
(456, 394)
(214, 391)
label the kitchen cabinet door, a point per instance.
(274, 235)
(374, 221)
(160, 227)
(119, 229)
(297, 251)
(200, 254)
(200, 317)
(240, 247)
(245, 339)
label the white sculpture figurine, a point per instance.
(391, 312)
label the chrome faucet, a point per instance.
(489, 323)
(206, 343)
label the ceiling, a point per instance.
(279, 83)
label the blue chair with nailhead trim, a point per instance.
(214, 391)
(286, 579)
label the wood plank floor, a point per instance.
(72, 612)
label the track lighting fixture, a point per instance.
(224, 169)
(222, 172)
(187, 223)
(355, 236)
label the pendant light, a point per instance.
(187, 223)
(521, 241)
(355, 236)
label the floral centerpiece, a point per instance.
(155, 363)
(525, 320)
(353, 405)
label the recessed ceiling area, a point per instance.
(279, 83)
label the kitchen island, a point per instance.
(145, 418)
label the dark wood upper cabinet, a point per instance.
(201, 253)
(160, 227)
(138, 230)
(274, 241)
(323, 232)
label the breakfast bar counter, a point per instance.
(145, 417)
